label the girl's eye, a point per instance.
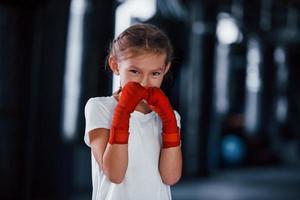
(156, 73)
(134, 71)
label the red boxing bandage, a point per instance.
(132, 94)
(159, 103)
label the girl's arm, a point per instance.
(170, 165)
(111, 146)
(112, 159)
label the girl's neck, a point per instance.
(143, 108)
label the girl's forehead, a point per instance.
(145, 61)
(144, 56)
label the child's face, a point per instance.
(146, 69)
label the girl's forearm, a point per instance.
(170, 165)
(115, 162)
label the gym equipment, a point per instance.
(233, 149)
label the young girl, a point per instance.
(134, 135)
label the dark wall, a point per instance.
(15, 76)
(36, 161)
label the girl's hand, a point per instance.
(159, 103)
(132, 94)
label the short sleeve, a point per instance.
(177, 118)
(96, 116)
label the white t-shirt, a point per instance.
(142, 179)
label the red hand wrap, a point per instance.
(132, 94)
(159, 103)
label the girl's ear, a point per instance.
(113, 64)
(167, 68)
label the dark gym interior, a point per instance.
(235, 82)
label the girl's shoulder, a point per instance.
(107, 103)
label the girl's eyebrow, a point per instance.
(132, 66)
(156, 69)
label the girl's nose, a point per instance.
(144, 81)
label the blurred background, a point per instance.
(234, 81)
